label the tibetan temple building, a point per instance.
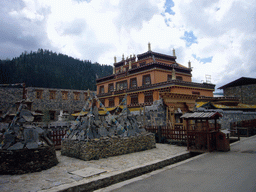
(148, 77)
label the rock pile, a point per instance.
(94, 126)
(25, 148)
(96, 136)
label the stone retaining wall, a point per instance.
(107, 147)
(27, 160)
(231, 116)
(246, 93)
(234, 116)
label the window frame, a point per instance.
(111, 102)
(145, 79)
(121, 85)
(64, 95)
(76, 95)
(101, 89)
(52, 94)
(134, 99)
(39, 94)
(110, 85)
(132, 80)
(148, 97)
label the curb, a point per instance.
(108, 179)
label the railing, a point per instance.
(244, 128)
(165, 84)
(56, 135)
(176, 134)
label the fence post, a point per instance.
(159, 132)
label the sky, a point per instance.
(217, 36)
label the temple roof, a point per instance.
(213, 105)
(239, 82)
(152, 65)
(201, 115)
(156, 55)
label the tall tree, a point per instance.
(44, 68)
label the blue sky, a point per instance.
(218, 37)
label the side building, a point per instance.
(244, 88)
(144, 77)
(46, 101)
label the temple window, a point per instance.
(134, 99)
(148, 97)
(121, 85)
(110, 87)
(76, 95)
(133, 82)
(111, 102)
(169, 77)
(39, 94)
(102, 89)
(52, 94)
(64, 95)
(146, 80)
(179, 78)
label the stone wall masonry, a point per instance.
(70, 104)
(9, 96)
(246, 93)
(231, 116)
(234, 116)
(155, 114)
(27, 160)
(107, 146)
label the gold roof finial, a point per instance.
(173, 52)
(115, 59)
(189, 64)
(149, 46)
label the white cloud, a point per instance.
(98, 30)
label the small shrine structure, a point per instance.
(203, 132)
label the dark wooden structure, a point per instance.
(203, 133)
(176, 134)
(245, 128)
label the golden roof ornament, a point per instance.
(189, 64)
(149, 46)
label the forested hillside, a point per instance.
(51, 70)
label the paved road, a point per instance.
(218, 171)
